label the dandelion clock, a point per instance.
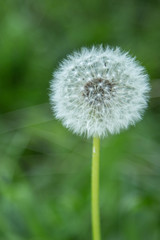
(96, 92)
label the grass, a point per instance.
(45, 182)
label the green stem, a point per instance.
(95, 190)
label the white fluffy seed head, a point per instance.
(99, 91)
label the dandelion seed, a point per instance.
(105, 89)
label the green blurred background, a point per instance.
(44, 168)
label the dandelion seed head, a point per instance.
(99, 91)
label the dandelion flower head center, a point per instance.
(98, 91)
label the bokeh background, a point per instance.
(44, 168)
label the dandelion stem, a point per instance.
(95, 190)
